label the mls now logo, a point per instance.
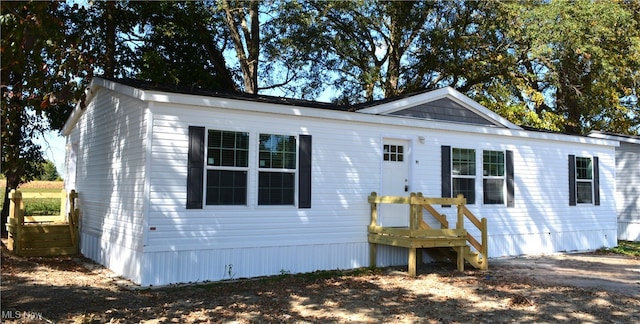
(16, 315)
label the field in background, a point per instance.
(38, 206)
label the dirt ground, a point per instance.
(584, 288)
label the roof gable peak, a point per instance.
(445, 104)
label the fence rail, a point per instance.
(38, 235)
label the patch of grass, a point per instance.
(624, 248)
(42, 207)
(38, 206)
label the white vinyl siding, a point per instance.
(110, 179)
(628, 190)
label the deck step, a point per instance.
(474, 258)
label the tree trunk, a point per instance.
(236, 21)
(394, 50)
(11, 135)
(110, 39)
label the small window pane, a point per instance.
(394, 153)
(226, 187)
(277, 151)
(493, 191)
(583, 192)
(493, 163)
(466, 187)
(227, 148)
(228, 157)
(242, 158)
(276, 188)
(464, 162)
(584, 168)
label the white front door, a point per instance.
(395, 182)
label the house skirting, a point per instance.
(118, 258)
(550, 242)
(629, 230)
(167, 267)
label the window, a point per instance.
(277, 169)
(393, 153)
(584, 180)
(463, 173)
(224, 163)
(227, 167)
(493, 177)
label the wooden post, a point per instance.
(374, 221)
(374, 211)
(460, 251)
(16, 219)
(373, 247)
(412, 262)
(460, 222)
(63, 205)
(73, 218)
(419, 212)
(413, 219)
(419, 219)
(485, 244)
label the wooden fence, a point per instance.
(33, 235)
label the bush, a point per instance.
(41, 207)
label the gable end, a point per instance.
(444, 109)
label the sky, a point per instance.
(53, 149)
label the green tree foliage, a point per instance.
(179, 44)
(215, 45)
(573, 67)
(49, 171)
(36, 90)
(544, 64)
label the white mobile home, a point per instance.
(184, 187)
(627, 184)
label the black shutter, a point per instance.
(510, 180)
(572, 180)
(596, 181)
(195, 167)
(304, 172)
(445, 166)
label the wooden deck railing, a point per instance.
(43, 235)
(418, 227)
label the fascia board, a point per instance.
(614, 137)
(434, 95)
(92, 89)
(78, 110)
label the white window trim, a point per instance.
(578, 180)
(503, 177)
(226, 168)
(474, 177)
(258, 169)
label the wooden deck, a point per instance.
(419, 235)
(31, 235)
